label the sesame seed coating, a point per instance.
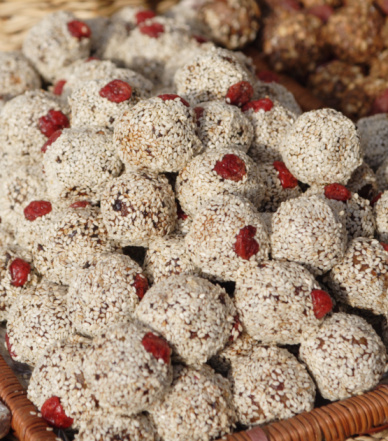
(138, 207)
(196, 317)
(198, 406)
(382, 175)
(346, 357)
(322, 147)
(381, 210)
(277, 92)
(123, 376)
(213, 235)
(308, 231)
(373, 131)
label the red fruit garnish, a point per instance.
(153, 30)
(380, 104)
(79, 204)
(267, 76)
(11, 352)
(171, 96)
(198, 114)
(239, 94)
(52, 139)
(322, 303)
(141, 285)
(181, 214)
(53, 121)
(231, 167)
(237, 328)
(20, 270)
(375, 199)
(157, 346)
(285, 176)
(200, 39)
(144, 15)
(37, 209)
(79, 29)
(384, 245)
(58, 87)
(246, 245)
(262, 104)
(116, 91)
(323, 12)
(52, 411)
(337, 192)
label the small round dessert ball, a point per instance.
(353, 33)
(346, 357)
(363, 182)
(227, 234)
(381, 214)
(80, 158)
(73, 240)
(106, 294)
(277, 92)
(309, 231)
(269, 384)
(373, 131)
(221, 126)
(198, 406)
(360, 279)
(271, 122)
(209, 76)
(37, 319)
(16, 75)
(279, 185)
(138, 207)
(28, 120)
(58, 373)
(101, 102)
(322, 147)
(280, 302)
(128, 368)
(218, 172)
(196, 317)
(166, 257)
(157, 134)
(233, 23)
(56, 41)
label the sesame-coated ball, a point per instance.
(381, 213)
(373, 131)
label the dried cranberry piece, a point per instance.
(52, 411)
(199, 39)
(285, 176)
(37, 209)
(157, 346)
(11, 352)
(20, 270)
(79, 29)
(323, 12)
(375, 199)
(153, 30)
(231, 167)
(142, 16)
(237, 327)
(171, 96)
(52, 139)
(246, 245)
(267, 76)
(337, 192)
(322, 303)
(79, 204)
(239, 94)
(380, 104)
(262, 104)
(384, 245)
(198, 114)
(116, 91)
(53, 121)
(58, 87)
(141, 285)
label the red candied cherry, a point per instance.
(239, 94)
(262, 104)
(53, 121)
(267, 76)
(116, 91)
(172, 96)
(11, 352)
(52, 411)
(79, 204)
(58, 87)
(337, 192)
(323, 12)
(287, 179)
(322, 303)
(231, 167)
(236, 329)
(157, 346)
(79, 29)
(380, 104)
(51, 140)
(141, 285)
(153, 30)
(37, 209)
(20, 270)
(384, 245)
(142, 16)
(246, 245)
(375, 199)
